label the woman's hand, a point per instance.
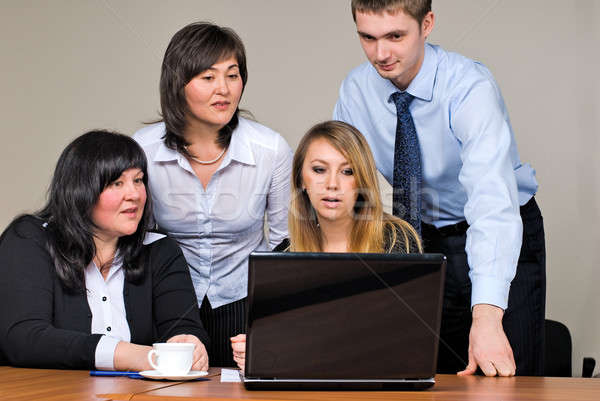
(200, 354)
(131, 357)
(238, 345)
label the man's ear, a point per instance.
(427, 24)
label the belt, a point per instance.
(461, 227)
(531, 205)
(447, 231)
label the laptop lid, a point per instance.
(331, 316)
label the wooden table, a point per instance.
(47, 384)
(32, 384)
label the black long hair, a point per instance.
(192, 50)
(84, 169)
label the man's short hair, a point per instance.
(417, 9)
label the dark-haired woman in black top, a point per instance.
(81, 283)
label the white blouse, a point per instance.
(217, 228)
(107, 305)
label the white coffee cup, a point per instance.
(172, 359)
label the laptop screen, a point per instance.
(343, 316)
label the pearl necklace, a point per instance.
(206, 161)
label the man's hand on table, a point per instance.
(488, 346)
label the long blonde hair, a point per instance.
(373, 229)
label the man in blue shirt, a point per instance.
(473, 199)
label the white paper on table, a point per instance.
(230, 376)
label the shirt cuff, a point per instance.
(489, 290)
(105, 353)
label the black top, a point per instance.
(43, 325)
(283, 246)
(398, 246)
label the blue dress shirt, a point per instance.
(471, 167)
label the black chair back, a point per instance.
(558, 352)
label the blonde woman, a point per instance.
(336, 205)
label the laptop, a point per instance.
(343, 320)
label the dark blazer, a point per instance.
(44, 325)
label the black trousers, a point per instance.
(523, 320)
(222, 323)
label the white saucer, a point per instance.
(155, 374)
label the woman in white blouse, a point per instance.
(215, 176)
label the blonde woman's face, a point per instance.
(329, 181)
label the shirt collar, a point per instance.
(421, 86)
(165, 154)
(382, 85)
(239, 149)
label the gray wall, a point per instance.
(69, 66)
